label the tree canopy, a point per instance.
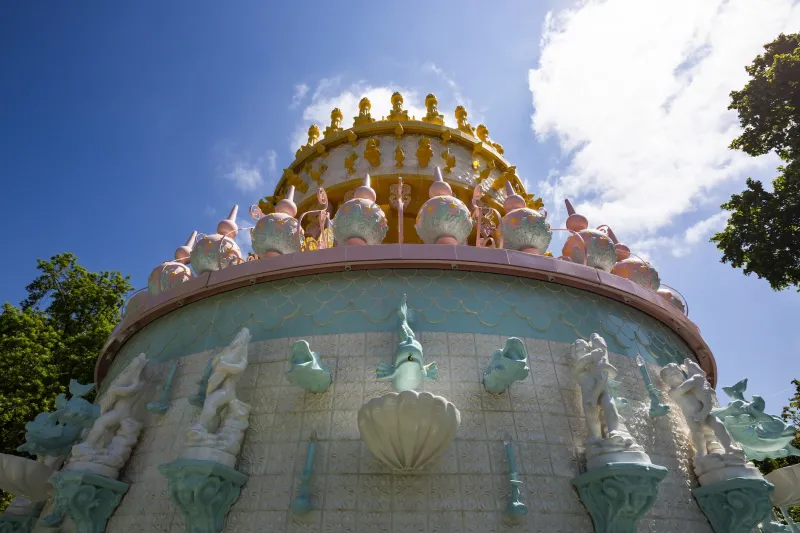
(762, 235)
(54, 335)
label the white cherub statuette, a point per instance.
(716, 457)
(108, 445)
(695, 397)
(218, 433)
(606, 433)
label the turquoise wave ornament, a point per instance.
(507, 366)
(307, 370)
(409, 369)
(762, 436)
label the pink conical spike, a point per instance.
(575, 222)
(290, 193)
(439, 187)
(365, 192)
(228, 226)
(287, 205)
(183, 252)
(570, 209)
(513, 200)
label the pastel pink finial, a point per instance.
(575, 222)
(228, 227)
(183, 252)
(287, 205)
(365, 192)
(622, 250)
(439, 187)
(513, 200)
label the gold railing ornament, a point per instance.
(336, 121)
(399, 198)
(326, 229)
(397, 112)
(487, 220)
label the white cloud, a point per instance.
(245, 176)
(209, 211)
(326, 98)
(636, 94)
(454, 86)
(300, 92)
(272, 162)
(703, 229)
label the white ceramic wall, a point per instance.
(464, 491)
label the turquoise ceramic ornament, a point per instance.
(52, 434)
(409, 369)
(360, 220)
(639, 272)
(507, 366)
(736, 505)
(307, 371)
(443, 219)
(170, 274)
(277, 233)
(762, 436)
(88, 499)
(618, 495)
(217, 251)
(523, 229)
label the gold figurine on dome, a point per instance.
(424, 152)
(316, 175)
(486, 171)
(508, 176)
(483, 134)
(461, 119)
(433, 116)
(350, 163)
(293, 179)
(372, 153)
(336, 121)
(397, 112)
(449, 161)
(399, 157)
(364, 116)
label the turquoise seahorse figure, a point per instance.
(409, 369)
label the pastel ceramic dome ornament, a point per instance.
(277, 233)
(588, 246)
(219, 250)
(135, 305)
(673, 300)
(523, 229)
(170, 274)
(444, 219)
(360, 221)
(638, 271)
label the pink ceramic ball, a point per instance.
(601, 252)
(638, 272)
(167, 276)
(673, 300)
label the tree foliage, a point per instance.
(54, 335)
(763, 232)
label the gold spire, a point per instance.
(313, 136)
(397, 112)
(336, 120)
(461, 119)
(433, 116)
(364, 116)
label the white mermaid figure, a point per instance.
(109, 442)
(218, 433)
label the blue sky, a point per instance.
(126, 126)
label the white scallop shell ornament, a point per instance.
(408, 430)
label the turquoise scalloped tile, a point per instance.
(438, 300)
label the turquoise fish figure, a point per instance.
(52, 434)
(762, 436)
(307, 371)
(507, 366)
(409, 369)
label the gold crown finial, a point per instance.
(313, 134)
(364, 116)
(336, 120)
(461, 119)
(397, 112)
(433, 116)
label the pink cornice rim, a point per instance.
(419, 256)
